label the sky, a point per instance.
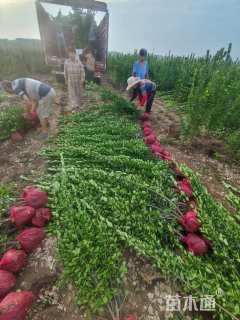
(179, 26)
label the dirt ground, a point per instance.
(21, 164)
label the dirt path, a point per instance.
(20, 161)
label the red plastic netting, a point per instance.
(7, 282)
(30, 238)
(13, 260)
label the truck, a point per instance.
(78, 28)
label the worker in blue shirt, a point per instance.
(140, 67)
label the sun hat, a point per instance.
(132, 81)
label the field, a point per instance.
(19, 58)
(113, 247)
(205, 89)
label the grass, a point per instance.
(11, 120)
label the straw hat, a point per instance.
(132, 81)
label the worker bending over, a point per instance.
(144, 90)
(37, 96)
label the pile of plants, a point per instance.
(108, 194)
(206, 90)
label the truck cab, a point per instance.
(84, 24)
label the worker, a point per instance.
(75, 77)
(37, 96)
(89, 64)
(61, 42)
(93, 36)
(140, 67)
(144, 90)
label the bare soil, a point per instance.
(21, 162)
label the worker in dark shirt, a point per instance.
(144, 90)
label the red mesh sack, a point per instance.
(34, 120)
(30, 238)
(196, 244)
(34, 197)
(142, 100)
(130, 317)
(156, 148)
(146, 124)
(33, 116)
(16, 137)
(16, 314)
(150, 139)
(13, 260)
(21, 215)
(15, 305)
(42, 217)
(147, 131)
(7, 282)
(30, 116)
(165, 155)
(27, 190)
(145, 116)
(186, 187)
(190, 222)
